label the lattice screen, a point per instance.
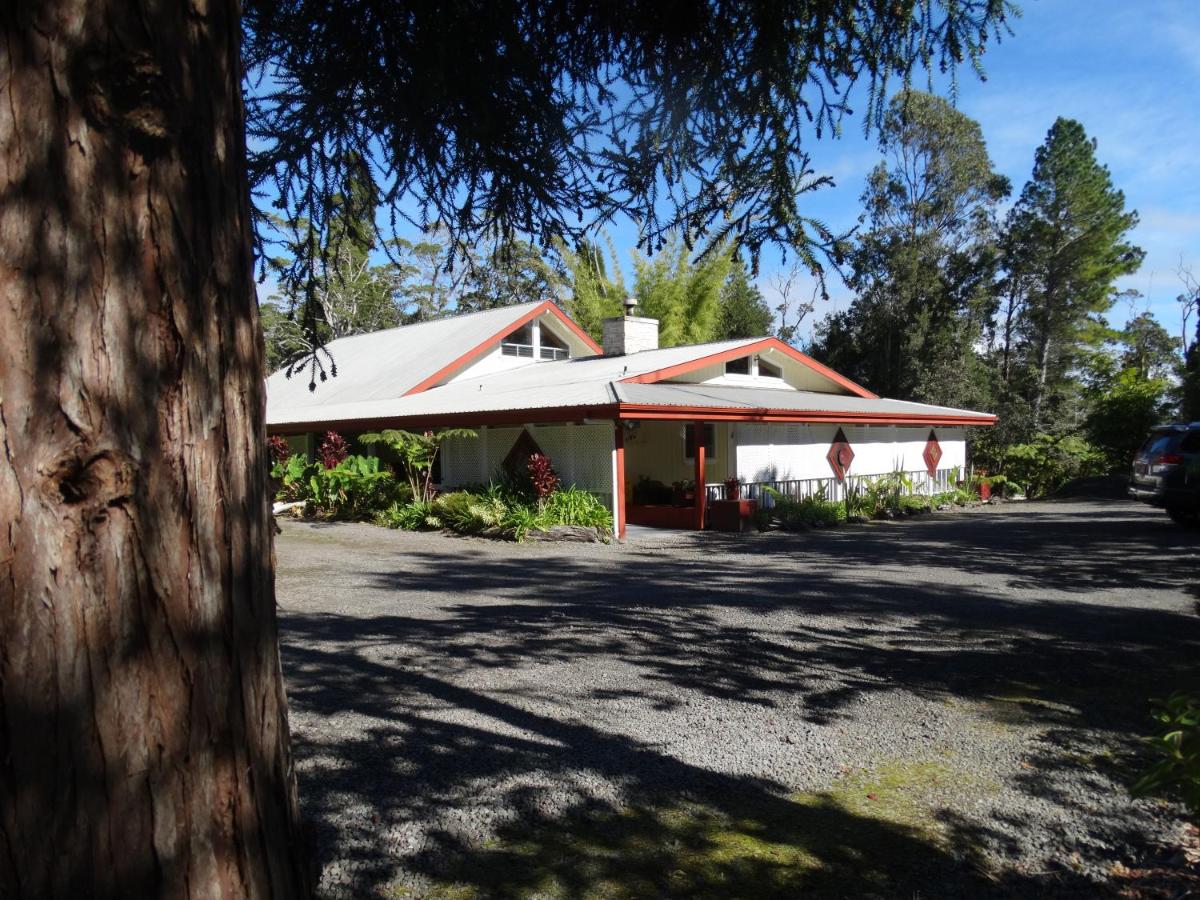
(581, 454)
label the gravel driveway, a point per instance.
(944, 706)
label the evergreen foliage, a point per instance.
(743, 313)
(1065, 247)
(923, 270)
(573, 111)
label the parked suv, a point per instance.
(1166, 471)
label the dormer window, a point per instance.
(532, 341)
(768, 370)
(739, 366)
(554, 347)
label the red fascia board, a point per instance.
(627, 411)
(742, 414)
(480, 349)
(758, 346)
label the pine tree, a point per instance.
(1066, 246)
(743, 311)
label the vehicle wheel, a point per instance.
(1180, 516)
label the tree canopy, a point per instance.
(924, 266)
(549, 118)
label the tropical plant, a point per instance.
(417, 453)
(278, 449)
(791, 513)
(498, 512)
(542, 476)
(1177, 746)
(292, 476)
(355, 488)
(333, 449)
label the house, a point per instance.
(654, 432)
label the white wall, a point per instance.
(774, 451)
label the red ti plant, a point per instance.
(278, 448)
(333, 449)
(733, 488)
(542, 476)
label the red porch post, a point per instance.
(701, 490)
(619, 499)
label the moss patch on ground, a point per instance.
(874, 831)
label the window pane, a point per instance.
(767, 370)
(739, 366)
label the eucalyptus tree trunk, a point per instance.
(143, 729)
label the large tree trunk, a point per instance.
(143, 728)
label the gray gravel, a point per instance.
(446, 690)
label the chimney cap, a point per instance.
(630, 305)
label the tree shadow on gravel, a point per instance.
(1053, 637)
(679, 831)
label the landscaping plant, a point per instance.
(417, 453)
(1177, 746)
(542, 477)
(333, 449)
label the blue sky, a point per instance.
(1130, 73)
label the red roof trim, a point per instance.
(765, 344)
(629, 411)
(482, 348)
(742, 414)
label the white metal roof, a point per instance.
(595, 381)
(581, 381)
(385, 365)
(749, 398)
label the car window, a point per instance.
(1157, 443)
(1191, 442)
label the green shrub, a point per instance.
(912, 503)
(469, 513)
(1177, 745)
(1048, 462)
(353, 489)
(499, 512)
(790, 513)
(411, 516)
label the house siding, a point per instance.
(767, 452)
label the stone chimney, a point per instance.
(629, 333)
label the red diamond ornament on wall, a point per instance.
(932, 454)
(840, 455)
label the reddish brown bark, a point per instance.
(143, 728)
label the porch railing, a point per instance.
(800, 488)
(508, 348)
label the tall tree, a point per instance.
(924, 268)
(595, 295)
(742, 312)
(514, 272)
(1149, 350)
(334, 288)
(1066, 246)
(143, 730)
(683, 294)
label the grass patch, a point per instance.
(873, 831)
